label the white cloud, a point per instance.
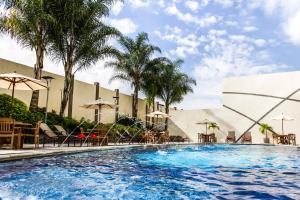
(187, 44)
(117, 8)
(203, 21)
(288, 13)
(292, 28)
(229, 55)
(225, 3)
(249, 29)
(125, 25)
(192, 5)
(145, 3)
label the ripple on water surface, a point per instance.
(184, 172)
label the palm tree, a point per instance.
(79, 37)
(264, 128)
(135, 63)
(213, 126)
(28, 23)
(173, 84)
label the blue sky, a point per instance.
(216, 39)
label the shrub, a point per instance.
(19, 111)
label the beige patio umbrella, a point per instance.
(14, 81)
(99, 104)
(282, 118)
(158, 114)
(205, 122)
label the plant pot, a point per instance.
(266, 140)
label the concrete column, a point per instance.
(132, 105)
(117, 100)
(97, 96)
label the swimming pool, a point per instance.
(176, 172)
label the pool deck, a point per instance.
(29, 152)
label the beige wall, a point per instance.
(83, 93)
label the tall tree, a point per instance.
(27, 21)
(134, 63)
(80, 38)
(173, 85)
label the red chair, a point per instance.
(230, 137)
(247, 137)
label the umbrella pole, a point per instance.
(12, 97)
(99, 113)
(282, 126)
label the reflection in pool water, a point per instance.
(176, 172)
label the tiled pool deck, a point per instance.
(49, 150)
(29, 152)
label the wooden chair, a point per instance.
(275, 137)
(230, 137)
(149, 137)
(291, 139)
(33, 132)
(101, 137)
(212, 138)
(8, 130)
(247, 137)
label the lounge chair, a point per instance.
(8, 130)
(49, 134)
(247, 138)
(63, 132)
(230, 137)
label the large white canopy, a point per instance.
(14, 81)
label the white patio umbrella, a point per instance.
(282, 118)
(158, 114)
(99, 104)
(205, 122)
(14, 81)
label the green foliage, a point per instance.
(264, 128)
(79, 37)
(213, 126)
(129, 121)
(135, 63)
(19, 112)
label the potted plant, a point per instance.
(264, 128)
(213, 126)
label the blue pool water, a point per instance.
(182, 172)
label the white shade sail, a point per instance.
(158, 114)
(14, 81)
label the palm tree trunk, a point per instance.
(167, 120)
(135, 102)
(67, 88)
(38, 67)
